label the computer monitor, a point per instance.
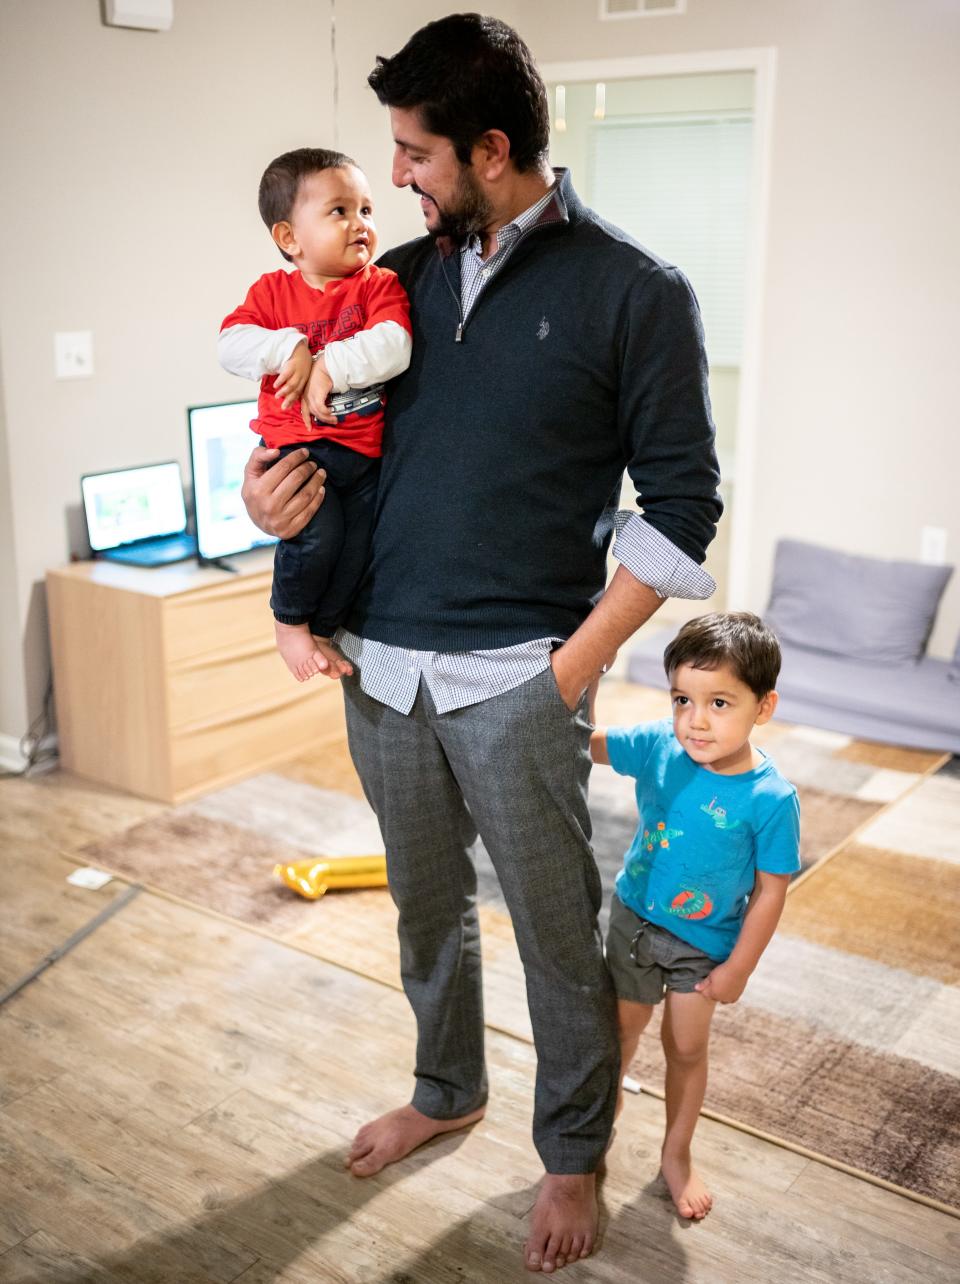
(220, 444)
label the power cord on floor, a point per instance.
(34, 736)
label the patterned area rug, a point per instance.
(846, 1041)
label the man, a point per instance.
(549, 352)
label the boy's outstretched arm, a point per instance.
(598, 746)
(729, 979)
(252, 351)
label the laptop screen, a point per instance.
(133, 504)
(220, 444)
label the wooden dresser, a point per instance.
(168, 682)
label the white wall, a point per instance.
(129, 208)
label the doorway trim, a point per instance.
(762, 62)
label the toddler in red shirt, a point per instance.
(323, 340)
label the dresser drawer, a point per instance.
(221, 682)
(252, 739)
(215, 619)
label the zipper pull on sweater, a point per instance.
(458, 337)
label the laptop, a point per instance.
(137, 515)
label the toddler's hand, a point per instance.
(314, 399)
(293, 376)
(723, 984)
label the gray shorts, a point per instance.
(645, 959)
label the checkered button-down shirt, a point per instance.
(392, 674)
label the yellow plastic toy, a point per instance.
(319, 874)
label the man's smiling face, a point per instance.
(451, 197)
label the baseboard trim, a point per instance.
(11, 758)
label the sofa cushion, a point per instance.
(953, 673)
(863, 608)
(916, 706)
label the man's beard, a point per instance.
(468, 213)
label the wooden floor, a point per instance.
(177, 1093)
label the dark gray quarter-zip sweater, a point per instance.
(503, 451)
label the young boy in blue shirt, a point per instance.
(704, 880)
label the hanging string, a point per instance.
(336, 75)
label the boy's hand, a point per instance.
(724, 984)
(314, 399)
(293, 376)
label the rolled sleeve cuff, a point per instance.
(652, 559)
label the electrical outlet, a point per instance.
(73, 354)
(933, 545)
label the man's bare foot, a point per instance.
(563, 1224)
(691, 1197)
(394, 1135)
(299, 649)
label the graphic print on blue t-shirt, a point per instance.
(719, 814)
(702, 836)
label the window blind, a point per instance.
(680, 187)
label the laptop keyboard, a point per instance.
(155, 552)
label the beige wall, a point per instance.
(131, 162)
(12, 698)
(128, 203)
(709, 92)
(858, 446)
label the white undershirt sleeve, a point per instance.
(368, 357)
(252, 351)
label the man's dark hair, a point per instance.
(466, 74)
(282, 178)
(736, 638)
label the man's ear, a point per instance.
(768, 705)
(491, 154)
(284, 238)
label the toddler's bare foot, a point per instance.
(563, 1224)
(394, 1135)
(299, 649)
(691, 1197)
(338, 666)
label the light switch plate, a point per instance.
(147, 15)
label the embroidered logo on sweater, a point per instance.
(544, 329)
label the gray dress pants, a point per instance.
(514, 769)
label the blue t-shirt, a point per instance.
(702, 836)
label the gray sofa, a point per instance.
(854, 632)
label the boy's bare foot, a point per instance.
(394, 1135)
(338, 665)
(691, 1197)
(563, 1224)
(307, 655)
(299, 649)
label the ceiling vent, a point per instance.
(611, 9)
